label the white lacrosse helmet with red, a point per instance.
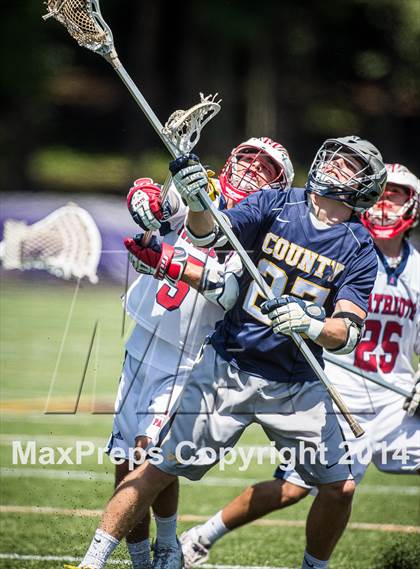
(385, 224)
(238, 182)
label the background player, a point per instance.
(350, 171)
(392, 336)
(172, 321)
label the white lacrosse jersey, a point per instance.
(391, 336)
(179, 316)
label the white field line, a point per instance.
(18, 557)
(88, 475)
(193, 518)
(53, 440)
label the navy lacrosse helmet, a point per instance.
(349, 170)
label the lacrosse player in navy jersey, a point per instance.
(391, 338)
(320, 262)
(309, 245)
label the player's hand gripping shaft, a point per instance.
(144, 204)
(289, 314)
(190, 179)
(159, 259)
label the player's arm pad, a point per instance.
(355, 326)
(220, 284)
(215, 238)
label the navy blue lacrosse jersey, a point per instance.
(299, 256)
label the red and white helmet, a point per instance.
(385, 224)
(237, 183)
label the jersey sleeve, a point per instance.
(177, 219)
(359, 278)
(251, 216)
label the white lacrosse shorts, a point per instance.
(218, 403)
(391, 442)
(395, 438)
(146, 397)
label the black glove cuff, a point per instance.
(182, 162)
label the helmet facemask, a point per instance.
(387, 219)
(255, 165)
(346, 174)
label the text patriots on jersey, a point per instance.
(393, 305)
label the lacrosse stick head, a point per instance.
(84, 22)
(183, 128)
(66, 243)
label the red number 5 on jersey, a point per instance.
(171, 297)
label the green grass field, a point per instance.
(43, 363)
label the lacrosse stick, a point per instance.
(183, 128)
(66, 243)
(366, 375)
(84, 22)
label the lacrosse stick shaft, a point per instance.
(366, 375)
(112, 58)
(268, 293)
(163, 193)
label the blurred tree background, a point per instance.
(296, 70)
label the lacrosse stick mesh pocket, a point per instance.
(183, 128)
(76, 16)
(66, 243)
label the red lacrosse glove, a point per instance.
(159, 259)
(144, 205)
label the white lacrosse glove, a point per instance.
(289, 314)
(189, 177)
(412, 403)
